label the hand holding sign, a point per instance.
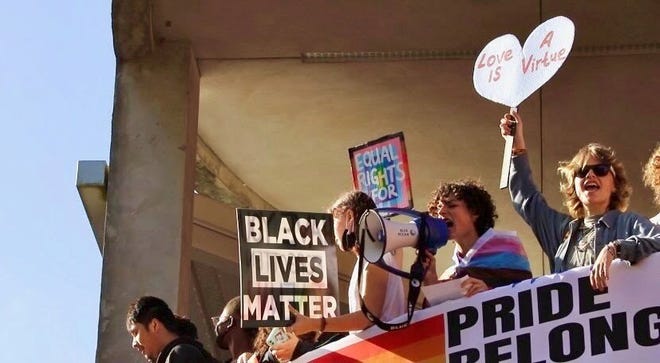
(506, 73)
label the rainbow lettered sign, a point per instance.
(380, 169)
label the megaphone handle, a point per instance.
(413, 292)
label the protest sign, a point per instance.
(380, 169)
(506, 73)
(286, 258)
(554, 318)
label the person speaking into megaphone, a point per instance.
(488, 257)
(382, 291)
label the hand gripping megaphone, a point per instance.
(377, 235)
(380, 235)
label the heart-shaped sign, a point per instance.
(507, 74)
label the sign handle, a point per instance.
(506, 157)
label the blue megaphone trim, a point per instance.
(433, 231)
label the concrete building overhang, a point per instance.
(286, 87)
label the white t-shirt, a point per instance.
(395, 300)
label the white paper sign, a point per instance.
(444, 291)
(506, 74)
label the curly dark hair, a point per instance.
(476, 199)
(568, 169)
(147, 308)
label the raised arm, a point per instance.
(547, 224)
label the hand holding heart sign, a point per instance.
(506, 73)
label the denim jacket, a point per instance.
(636, 235)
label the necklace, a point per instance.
(586, 244)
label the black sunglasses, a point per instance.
(598, 169)
(221, 324)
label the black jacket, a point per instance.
(185, 350)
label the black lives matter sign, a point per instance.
(286, 258)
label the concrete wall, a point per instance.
(150, 189)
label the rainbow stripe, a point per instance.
(423, 341)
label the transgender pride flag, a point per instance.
(495, 249)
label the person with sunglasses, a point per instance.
(652, 178)
(229, 334)
(596, 193)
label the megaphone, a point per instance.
(379, 235)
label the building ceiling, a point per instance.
(283, 126)
(225, 29)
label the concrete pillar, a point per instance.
(150, 191)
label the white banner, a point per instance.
(554, 318)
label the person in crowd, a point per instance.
(297, 346)
(258, 352)
(288, 350)
(294, 347)
(249, 344)
(382, 291)
(229, 334)
(652, 178)
(161, 336)
(488, 257)
(596, 193)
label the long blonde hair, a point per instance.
(652, 173)
(567, 170)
